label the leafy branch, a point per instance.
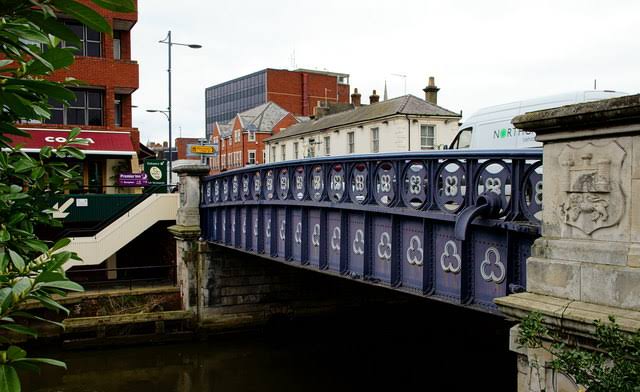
(614, 365)
(32, 269)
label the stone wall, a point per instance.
(244, 291)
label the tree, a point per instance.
(613, 365)
(32, 269)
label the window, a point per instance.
(90, 40)
(264, 155)
(327, 145)
(375, 140)
(295, 151)
(118, 109)
(230, 142)
(283, 152)
(351, 142)
(252, 136)
(117, 51)
(427, 133)
(85, 109)
(273, 153)
(252, 157)
(238, 136)
(311, 148)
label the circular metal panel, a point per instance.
(494, 176)
(384, 191)
(257, 186)
(246, 188)
(359, 187)
(451, 186)
(269, 185)
(337, 183)
(235, 188)
(415, 185)
(316, 183)
(283, 183)
(298, 183)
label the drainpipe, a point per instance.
(408, 132)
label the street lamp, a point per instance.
(167, 113)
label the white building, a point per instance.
(406, 123)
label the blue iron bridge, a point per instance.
(455, 226)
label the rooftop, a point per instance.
(404, 105)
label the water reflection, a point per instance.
(400, 348)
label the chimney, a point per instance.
(355, 98)
(431, 91)
(320, 111)
(374, 98)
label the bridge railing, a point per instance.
(411, 200)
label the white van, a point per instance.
(491, 127)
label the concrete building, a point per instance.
(296, 91)
(102, 108)
(406, 123)
(241, 140)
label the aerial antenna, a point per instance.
(403, 76)
(595, 84)
(293, 60)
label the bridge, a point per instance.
(463, 227)
(456, 226)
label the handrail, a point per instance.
(414, 183)
(93, 230)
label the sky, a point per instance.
(481, 53)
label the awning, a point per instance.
(100, 142)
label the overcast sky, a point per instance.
(481, 52)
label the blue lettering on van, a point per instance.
(509, 132)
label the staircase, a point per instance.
(93, 250)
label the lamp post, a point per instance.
(167, 113)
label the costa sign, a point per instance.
(98, 142)
(60, 139)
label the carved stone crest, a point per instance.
(591, 182)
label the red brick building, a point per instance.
(181, 147)
(103, 104)
(298, 92)
(241, 141)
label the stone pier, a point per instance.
(586, 265)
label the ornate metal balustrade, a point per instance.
(404, 220)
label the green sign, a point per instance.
(156, 170)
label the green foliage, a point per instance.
(613, 366)
(32, 269)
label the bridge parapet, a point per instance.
(389, 219)
(586, 266)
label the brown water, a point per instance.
(423, 347)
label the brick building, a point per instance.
(241, 140)
(102, 108)
(181, 146)
(296, 91)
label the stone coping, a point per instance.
(574, 316)
(190, 167)
(609, 112)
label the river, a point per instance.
(419, 346)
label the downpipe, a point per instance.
(488, 205)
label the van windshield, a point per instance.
(464, 138)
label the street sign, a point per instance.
(201, 149)
(133, 179)
(156, 170)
